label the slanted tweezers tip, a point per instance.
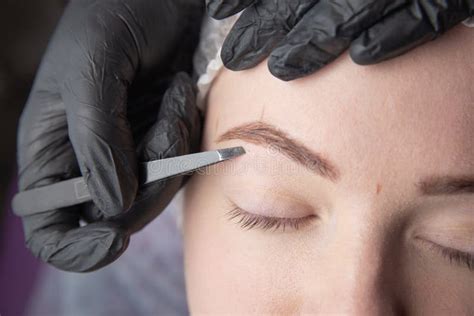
(232, 152)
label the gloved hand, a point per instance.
(302, 36)
(96, 95)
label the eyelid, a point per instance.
(454, 256)
(250, 220)
(460, 237)
(267, 203)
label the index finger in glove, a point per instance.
(102, 140)
(406, 28)
(324, 33)
(259, 29)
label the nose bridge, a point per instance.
(368, 288)
(361, 282)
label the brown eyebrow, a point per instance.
(264, 134)
(446, 185)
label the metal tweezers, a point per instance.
(74, 191)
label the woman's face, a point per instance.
(356, 194)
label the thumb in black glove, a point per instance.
(302, 36)
(55, 236)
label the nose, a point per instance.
(356, 274)
(367, 287)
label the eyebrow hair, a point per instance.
(264, 134)
(446, 185)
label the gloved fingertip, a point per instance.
(283, 74)
(283, 70)
(228, 59)
(236, 61)
(364, 53)
(216, 9)
(221, 9)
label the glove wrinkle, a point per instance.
(259, 29)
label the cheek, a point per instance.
(210, 264)
(229, 269)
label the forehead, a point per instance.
(413, 115)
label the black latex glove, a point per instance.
(96, 96)
(302, 36)
(55, 236)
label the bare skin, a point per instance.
(375, 186)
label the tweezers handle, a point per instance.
(74, 191)
(62, 194)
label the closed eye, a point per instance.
(248, 220)
(454, 256)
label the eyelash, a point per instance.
(453, 255)
(249, 221)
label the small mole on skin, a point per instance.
(379, 188)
